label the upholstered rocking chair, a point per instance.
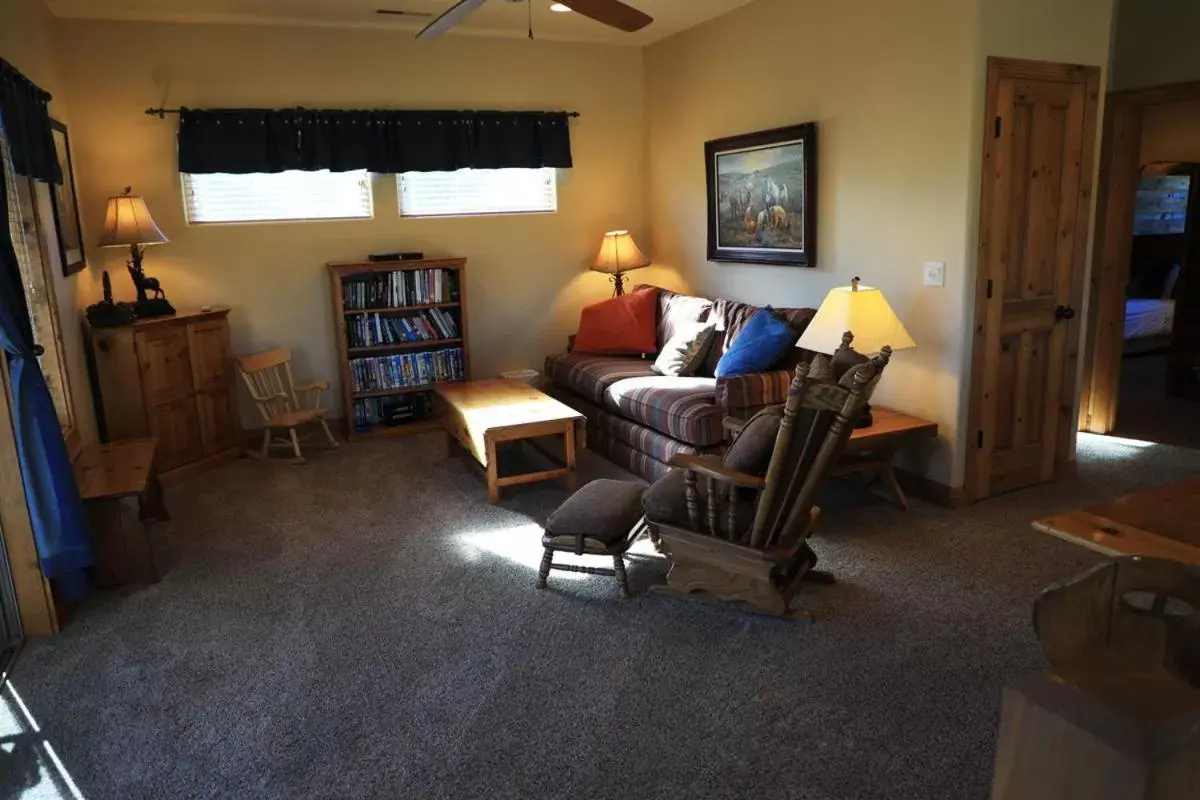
(737, 527)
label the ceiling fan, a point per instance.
(613, 13)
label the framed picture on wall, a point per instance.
(762, 197)
(66, 205)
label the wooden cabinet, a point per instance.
(171, 378)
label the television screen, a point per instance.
(1162, 202)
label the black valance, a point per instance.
(24, 109)
(381, 141)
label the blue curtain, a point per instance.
(55, 508)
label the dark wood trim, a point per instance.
(987, 314)
(1120, 171)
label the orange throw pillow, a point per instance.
(624, 325)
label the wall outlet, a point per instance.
(935, 273)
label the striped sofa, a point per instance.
(638, 419)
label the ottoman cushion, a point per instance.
(604, 510)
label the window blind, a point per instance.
(478, 191)
(277, 197)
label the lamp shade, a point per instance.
(127, 221)
(619, 253)
(863, 311)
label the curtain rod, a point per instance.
(161, 113)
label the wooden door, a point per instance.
(162, 352)
(1033, 237)
(1183, 362)
(212, 376)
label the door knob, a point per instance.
(1063, 312)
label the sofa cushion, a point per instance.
(623, 325)
(684, 352)
(683, 408)
(731, 316)
(762, 341)
(675, 310)
(589, 375)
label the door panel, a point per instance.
(211, 354)
(219, 426)
(177, 429)
(1031, 245)
(166, 369)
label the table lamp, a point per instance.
(858, 314)
(127, 221)
(619, 254)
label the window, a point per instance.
(477, 191)
(277, 197)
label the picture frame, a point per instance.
(762, 197)
(66, 205)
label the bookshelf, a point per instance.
(401, 329)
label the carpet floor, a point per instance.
(367, 626)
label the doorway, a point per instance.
(1142, 368)
(1040, 130)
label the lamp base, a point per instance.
(153, 307)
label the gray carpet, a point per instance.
(367, 626)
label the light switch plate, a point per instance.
(935, 273)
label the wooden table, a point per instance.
(1162, 522)
(479, 415)
(870, 450)
(120, 490)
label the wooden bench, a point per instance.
(120, 489)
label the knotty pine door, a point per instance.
(1033, 237)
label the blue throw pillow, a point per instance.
(763, 341)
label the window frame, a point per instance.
(185, 178)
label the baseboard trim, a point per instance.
(932, 491)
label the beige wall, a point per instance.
(526, 278)
(897, 90)
(1171, 132)
(27, 42)
(1156, 43)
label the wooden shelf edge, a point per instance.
(395, 309)
(384, 348)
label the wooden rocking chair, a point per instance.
(754, 549)
(284, 405)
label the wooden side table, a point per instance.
(870, 450)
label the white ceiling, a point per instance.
(495, 18)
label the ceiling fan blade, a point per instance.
(451, 17)
(613, 13)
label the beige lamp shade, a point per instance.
(127, 221)
(863, 311)
(619, 253)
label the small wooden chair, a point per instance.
(284, 405)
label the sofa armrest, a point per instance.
(738, 395)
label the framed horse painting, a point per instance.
(762, 197)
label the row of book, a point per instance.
(400, 288)
(408, 369)
(371, 412)
(369, 330)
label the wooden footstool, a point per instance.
(602, 519)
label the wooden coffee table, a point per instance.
(479, 415)
(1163, 522)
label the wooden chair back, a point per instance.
(817, 423)
(268, 376)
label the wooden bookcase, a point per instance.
(348, 282)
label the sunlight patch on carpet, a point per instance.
(519, 545)
(1112, 446)
(30, 769)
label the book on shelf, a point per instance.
(379, 328)
(407, 370)
(399, 288)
